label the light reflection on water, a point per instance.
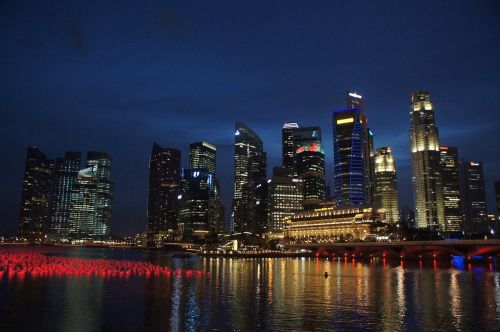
(261, 294)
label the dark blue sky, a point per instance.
(116, 77)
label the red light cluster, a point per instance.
(36, 264)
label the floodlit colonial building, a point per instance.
(329, 222)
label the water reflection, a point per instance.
(261, 294)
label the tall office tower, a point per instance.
(65, 174)
(164, 188)
(497, 195)
(450, 175)
(310, 164)
(305, 136)
(104, 198)
(83, 216)
(425, 157)
(249, 200)
(285, 198)
(475, 195)
(91, 199)
(356, 101)
(34, 213)
(194, 212)
(202, 155)
(385, 190)
(351, 184)
(288, 145)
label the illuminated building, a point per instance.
(351, 186)
(163, 190)
(250, 195)
(65, 174)
(34, 213)
(310, 165)
(497, 195)
(202, 155)
(385, 190)
(425, 157)
(450, 175)
(475, 195)
(356, 101)
(91, 199)
(104, 193)
(288, 145)
(285, 198)
(331, 223)
(194, 212)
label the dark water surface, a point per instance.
(259, 294)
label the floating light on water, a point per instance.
(20, 263)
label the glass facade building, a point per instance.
(426, 167)
(249, 211)
(385, 190)
(196, 190)
(310, 165)
(350, 187)
(285, 198)
(203, 155)
(450, 175)
(65, 174)
(34, 216)
(288, 145)
(163, 191)
(475, 194)
(91, 199)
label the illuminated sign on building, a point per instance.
(313, 147)
(343, 121)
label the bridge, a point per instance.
(404, 249)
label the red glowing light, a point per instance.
(19, 263)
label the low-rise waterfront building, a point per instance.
(329, 222)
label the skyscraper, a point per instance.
(350, 185)
(91, 198)
(285, 197)
(385, 190)
(34, 214)
(450, 175)
(287, 145)
(475, 195)
(202, 155)
(356, 101)
(194, 212)
(249, 200)
(65, 174)
(83, 216)
(164, 189)
(425, 156)
(310, 165)
(104, 197)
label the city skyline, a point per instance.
(263, 96)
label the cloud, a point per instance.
(78, 37)
(171, 23)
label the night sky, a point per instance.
(118, 77)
